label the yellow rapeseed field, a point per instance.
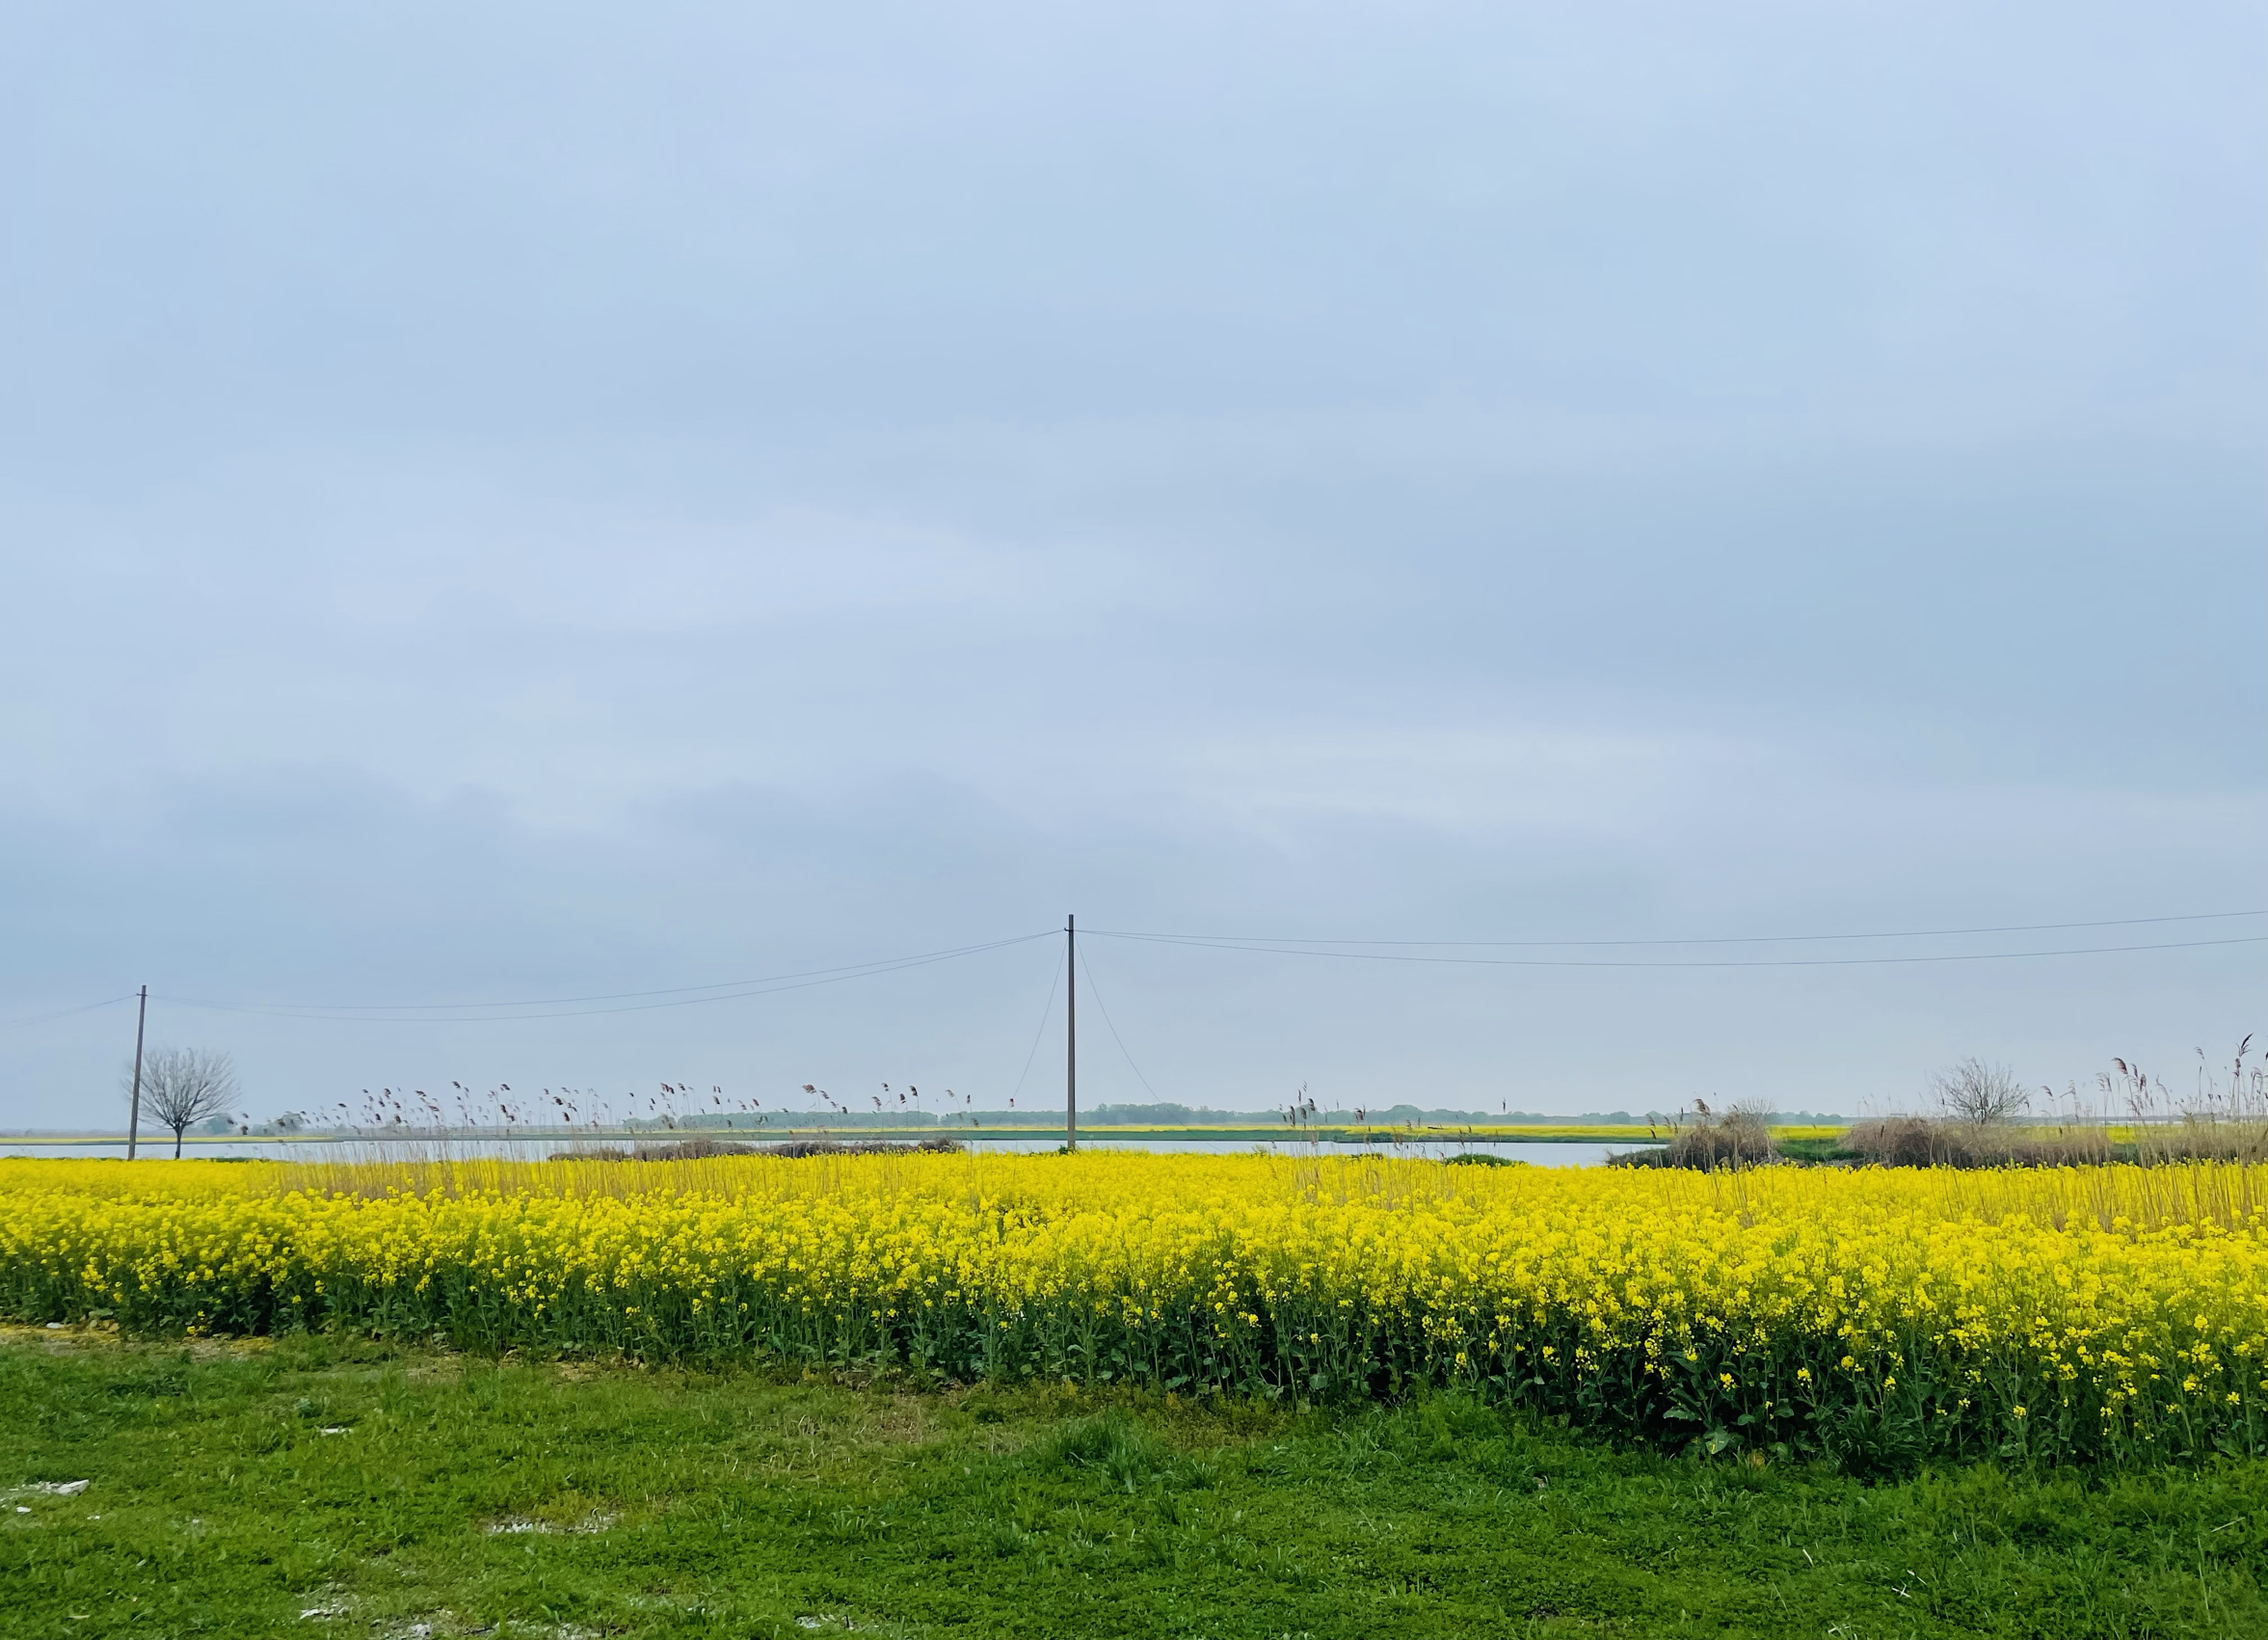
(2095, 1313)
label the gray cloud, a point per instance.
(508, 503)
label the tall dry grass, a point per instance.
(2131, 1116)
(1703, 1140)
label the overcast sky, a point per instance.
(510, 503)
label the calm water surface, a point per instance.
(1585, 1155)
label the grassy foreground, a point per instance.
(312, 1485)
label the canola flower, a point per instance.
(2104, 1314)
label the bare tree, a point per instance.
(181, 1087)
(1980, 1094)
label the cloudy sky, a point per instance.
(511, 502)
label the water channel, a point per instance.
(1578, 1154)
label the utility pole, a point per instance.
(1070, 1033)
(134, 1120)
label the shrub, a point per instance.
(1707, 1142)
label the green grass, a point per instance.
(541, 1500)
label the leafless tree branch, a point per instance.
(181, 1087)
(1980, 1094)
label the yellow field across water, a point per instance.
(2098, 1313)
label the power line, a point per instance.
(730, 991)
(1097, 991)
(600, 997)
(1724, 939)
(66, 1012)
(1674, 962)
(1055, 979)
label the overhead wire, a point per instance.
(1722, 939)
(1670, 962)
(606, 996)
(65, 1012)
(1403, 950)
(1046, 1014)
(803, 980)
(1086, 967)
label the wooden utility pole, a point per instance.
(1070, 1033)
(134, 1119)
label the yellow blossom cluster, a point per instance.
(2096, 1313)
